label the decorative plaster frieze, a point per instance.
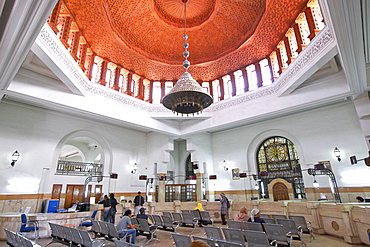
(314, 49)
(301, 63)
(50, 41)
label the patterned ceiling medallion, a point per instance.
(171, 11)
(144, 36)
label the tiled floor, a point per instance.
(164, 236)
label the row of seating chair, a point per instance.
(172, 220)
(300, 223)
(191, 216)
(71, 236)
(164, 222)
(202, 217)
(108, 231)
(252, 239)
(104, 230)
(14, 239)
(146, 229)
(244, 225)
(276, 233)
(299, 220)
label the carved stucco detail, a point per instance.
(324, 38)
(48, 37)
(50, 40)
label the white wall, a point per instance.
(315, 133)
(36, 133)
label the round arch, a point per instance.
(278, 181)
(106, 152)
(259, 138)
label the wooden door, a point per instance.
(73, 193)
(280, 192)
(98, 192)
(57, 190)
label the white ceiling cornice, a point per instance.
(73, 93)
(25, 19)
(345, 19)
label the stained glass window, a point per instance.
(277, 157)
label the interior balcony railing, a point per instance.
(78, 168)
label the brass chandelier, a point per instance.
(187, 96)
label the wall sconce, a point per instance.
(315, 183)
(134, 168)
(15, 157)
(337, 153)
(224, 164)
(256, 187)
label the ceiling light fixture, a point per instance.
(187, 96)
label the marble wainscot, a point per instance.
(12, 221)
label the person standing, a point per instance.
(224, 206)
(125, 227)
(113, 210)
(139, 202)
(106, 204)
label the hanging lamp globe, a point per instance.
(187, 96)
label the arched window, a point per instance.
(252, 77)
(227, 87)
(216, 90)
(277, 157)
(239, 82)
(156, 92)
(205, 86)
(168, 87)
(265, 71)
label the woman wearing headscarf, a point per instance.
(242, 215)
(255, 216)
(199, 207)
(224, 207)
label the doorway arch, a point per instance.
(106, 153)
(277, 157)
(281, 189)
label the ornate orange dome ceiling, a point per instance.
(146, 36)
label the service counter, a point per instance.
(12, 221)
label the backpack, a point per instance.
(227, 202)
